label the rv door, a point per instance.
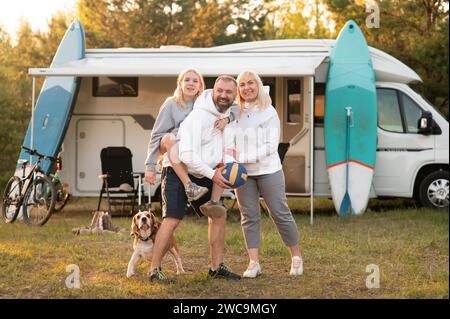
(92, 135)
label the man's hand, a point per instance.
(219, 179)
(220, 124)
(233, 153)
(150, 177)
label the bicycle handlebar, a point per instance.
(34, 152)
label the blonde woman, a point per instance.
(258, 151)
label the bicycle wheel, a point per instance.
(61, 199)
(39, 202)
(11, 200)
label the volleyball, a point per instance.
(235, 173)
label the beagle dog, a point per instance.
(144, 227)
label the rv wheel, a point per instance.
(433, 190)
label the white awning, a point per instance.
(171, 64)
(267, 58)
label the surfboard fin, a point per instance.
(346, 205)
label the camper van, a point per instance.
(122, 90)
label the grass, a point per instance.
(409, 245)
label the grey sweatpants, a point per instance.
(272, 189)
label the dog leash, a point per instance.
(149, 199)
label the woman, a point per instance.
(190, 85)
(258, 151)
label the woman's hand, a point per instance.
(150, 177)
(220, 124)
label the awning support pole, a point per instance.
(33, 93)
(311, 173)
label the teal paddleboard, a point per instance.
(56, 101)
(350, 124)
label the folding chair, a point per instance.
(282, 150)
(118, 180)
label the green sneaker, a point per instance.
(223, 272)
(158, 275)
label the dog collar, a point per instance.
(144, 239)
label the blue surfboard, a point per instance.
(350, 124)
(56, 101)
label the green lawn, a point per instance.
(409, 245)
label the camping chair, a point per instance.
(282, 150)
(118, 180)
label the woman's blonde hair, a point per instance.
(263, 99)
(178, 93)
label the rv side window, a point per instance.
(389, 116)
(294, 101)
(270, 82)
(209, 82)
(319, 102)
(115, 87)
(412, 113)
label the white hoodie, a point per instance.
(201, 146)
(257, 134)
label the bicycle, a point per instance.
(62, 196)
(33, 192)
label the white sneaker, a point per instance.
(253, 270)
(296, 266)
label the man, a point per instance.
(201, 150)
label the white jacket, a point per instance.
(201, 146)
(257, 134)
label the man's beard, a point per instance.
(223, 106)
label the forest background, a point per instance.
(413, 31)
